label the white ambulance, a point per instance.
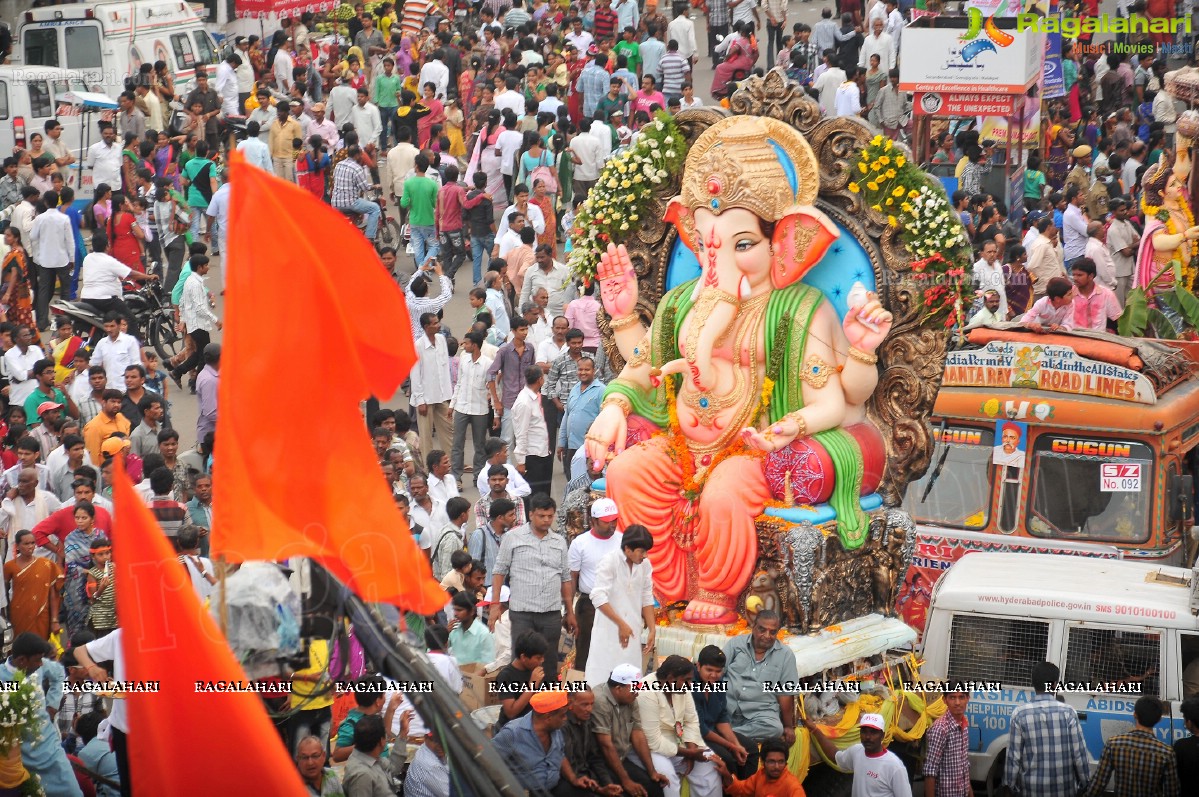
(108, 42)
(1119, 629)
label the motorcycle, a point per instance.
(389, 232)
(154, 318)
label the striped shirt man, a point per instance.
(1047, 755)
(675, 69)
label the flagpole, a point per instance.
(475, 759)
(222, 595)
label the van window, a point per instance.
(41, 46)
(204, 51)
(1189, 651)
(3, 100)
(184, 57)
(1106, 655)
(996, 649)
(41, 104)
(1068, 498)
(83, 47)
(961, 485)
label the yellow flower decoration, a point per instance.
(877, 140)
(891, 176)
(888, 144)
(625, 184)
(862, 167)
(898, 192)
(892, 221)
(854, 188)
(873, 186)
(876, 207)
(884, 160)
(890, 201)
(906, 207)
(900, 161)
(913, 194)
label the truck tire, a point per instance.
(995, 787)
(827, 782)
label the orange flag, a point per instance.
(168, 637)
(313, 325)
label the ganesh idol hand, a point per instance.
(859, 320)
(618, 281)
(608, 430)
(773, 437)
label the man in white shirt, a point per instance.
(431, 388)
(555, 277)
(520, 204)
(244, 72)
(876, 770)
(282, 68)
(534, 457)
(58, 148)
(827, 85)
(509, 99)
(225, 84)
(1074, 226)
(365, 118)
(436, 72)
(100, 280)
(21, 214)
(878, 43)
(19, 362)
(342, 98)
(895, 23)
(52, 241)
(586, 148)
(110, 648)
(848, 100)
(497, 454)
(1105, 267)
(1122, 240)
(988, 275)
(580, 38)
(682, 30)
(583, 557)
(508, 144)
(469, 404)
(442, 484)
(104, 158)
(255, 149)
(116, 352)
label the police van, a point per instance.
(1116, 629)
(108, 42)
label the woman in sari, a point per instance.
(1058, 142)
(26, 158)
(164, 160)
(35, 589)
(405, 55)
(546, 201)
(77, 556)
(454, 122)
(435, 116)
(17, 297)
(130, 163)
(466, 87)
(124, 234)
(486, 158)
(739, 58)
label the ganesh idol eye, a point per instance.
(745, 244)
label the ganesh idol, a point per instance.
(742, 369)
(1168, 245)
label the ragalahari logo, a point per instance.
(964, 57)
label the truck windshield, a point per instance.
(961, 487)
(1091, 489)
(41, 46)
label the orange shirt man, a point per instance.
(772, 780)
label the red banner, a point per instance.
(932, 103)
(282, 8)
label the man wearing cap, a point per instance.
(671, 726)
(40, 754)
(617, 728)
(321, 125)
(534, 746)
(754, 659)
(1080, 174)
(584, 555)
(877, 772)
(244, 72)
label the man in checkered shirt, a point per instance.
(1143, 765)
(1047, 756)
(947, 761)
(350, 184)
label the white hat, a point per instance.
(604, 509)
(504, 594)
(626, 674)
(875, 721)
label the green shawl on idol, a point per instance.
(789, 314)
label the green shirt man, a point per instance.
(387, 86)
(420, 198)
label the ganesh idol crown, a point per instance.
(744, 429)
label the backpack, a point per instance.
(544, 173)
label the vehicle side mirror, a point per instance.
(1180, 497)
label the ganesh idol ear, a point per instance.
(680, 216)
(800, 239)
